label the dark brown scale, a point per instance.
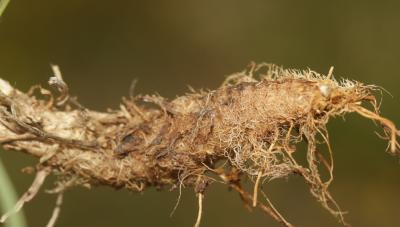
(127, 145)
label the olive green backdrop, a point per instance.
(101, 46)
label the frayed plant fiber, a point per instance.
(253, 124)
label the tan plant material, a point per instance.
(56, 211)
(251, 123)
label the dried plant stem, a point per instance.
(252, 124)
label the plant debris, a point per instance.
(251, 123)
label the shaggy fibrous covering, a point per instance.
(249, 126)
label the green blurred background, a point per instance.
(101, 46)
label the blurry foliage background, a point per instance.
(102, 45)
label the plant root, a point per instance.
(255, 192)
(56, 211)
(266, 209)
(252, 123)
(200, 197)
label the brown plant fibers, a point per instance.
(251, 124)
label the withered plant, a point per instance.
(249, 127)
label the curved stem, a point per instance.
(3, 5)
(8, 198)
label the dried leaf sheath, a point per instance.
(255, 124)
